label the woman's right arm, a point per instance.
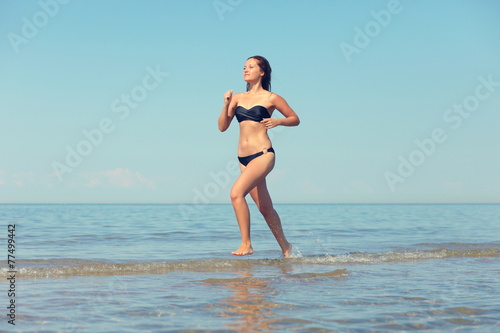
(227, 112)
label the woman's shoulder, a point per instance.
(275, 97)
(237, 96)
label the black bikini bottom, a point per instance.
(246, 159)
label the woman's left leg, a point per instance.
(262, 199)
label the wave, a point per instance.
(68, 267)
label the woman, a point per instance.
(253, 110)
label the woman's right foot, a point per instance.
(244, 250)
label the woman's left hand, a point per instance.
(270, 122)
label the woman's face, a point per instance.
(252, 71)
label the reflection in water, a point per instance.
(248, 305)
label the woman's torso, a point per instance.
(253, 134)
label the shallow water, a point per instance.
(161, 268)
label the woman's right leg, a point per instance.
(251, 175)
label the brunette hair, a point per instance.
(266, 68)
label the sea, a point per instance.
(169, 268)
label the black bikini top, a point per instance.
(255, 113)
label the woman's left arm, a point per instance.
(291, 118)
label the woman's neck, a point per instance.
(256, 88)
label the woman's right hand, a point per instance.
(228, 96)
(226, 115)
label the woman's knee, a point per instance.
(236, 195)
(266, 210)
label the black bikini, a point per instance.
(246, 159)
(258, 115)
(255, 113)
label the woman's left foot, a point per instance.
(288, 251)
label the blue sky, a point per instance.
(117, 101)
